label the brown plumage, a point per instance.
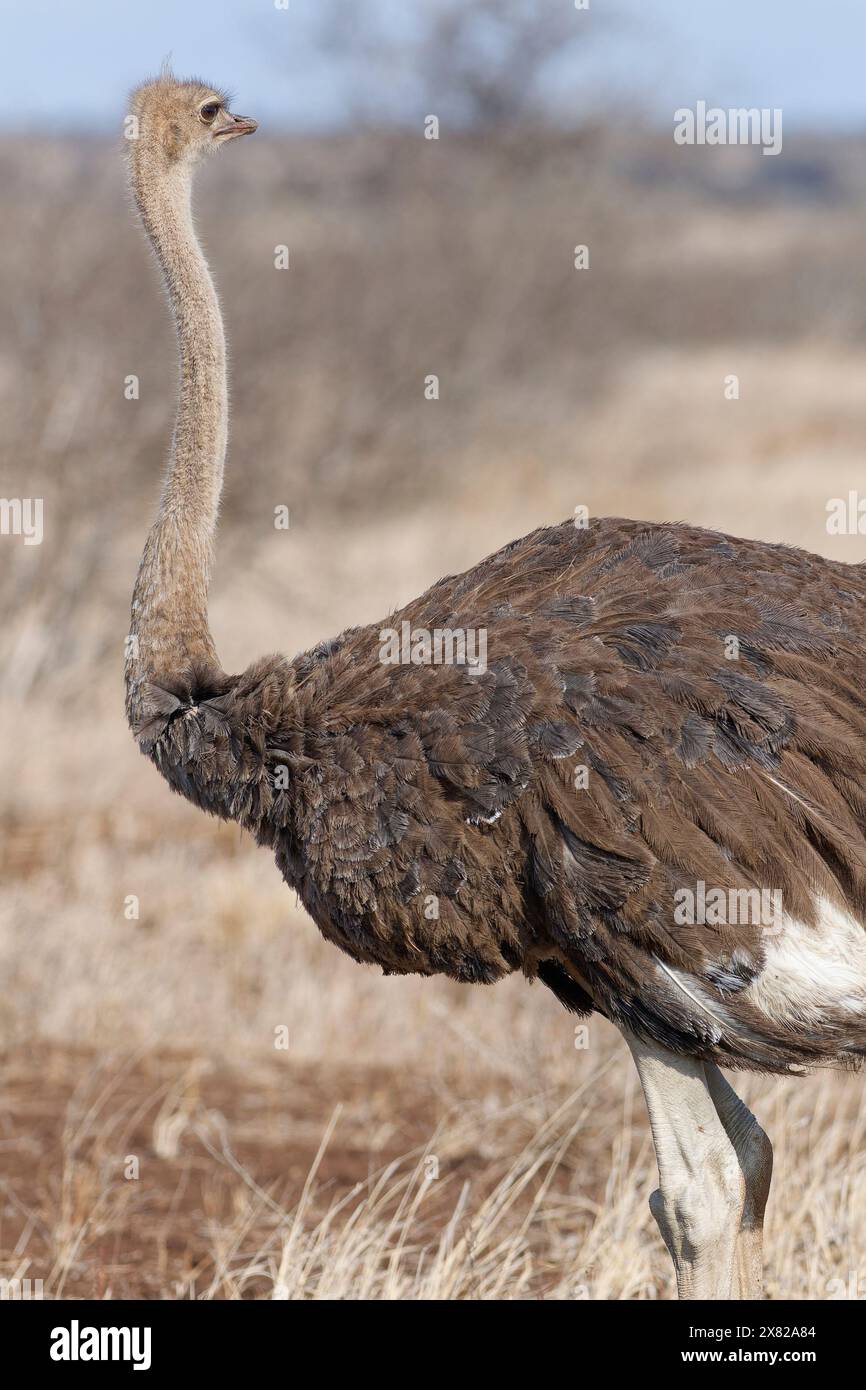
(429, 815)
(606, 650)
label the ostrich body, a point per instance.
(663, 709)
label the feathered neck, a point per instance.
(169, 633)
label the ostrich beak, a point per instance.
(236, 125)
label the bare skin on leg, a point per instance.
(755, 1154)
(701, 1198)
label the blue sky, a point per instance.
(70, 63)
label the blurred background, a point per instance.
(198, 1097)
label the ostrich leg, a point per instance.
(700, 1200)
(755, 1154)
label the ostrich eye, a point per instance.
(208, 113)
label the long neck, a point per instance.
(169, 628)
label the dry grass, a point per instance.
(172, 1175)
(415, 1139)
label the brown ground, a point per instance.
(212, 1202)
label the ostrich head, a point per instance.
(182, 121)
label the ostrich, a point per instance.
(667, 729)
